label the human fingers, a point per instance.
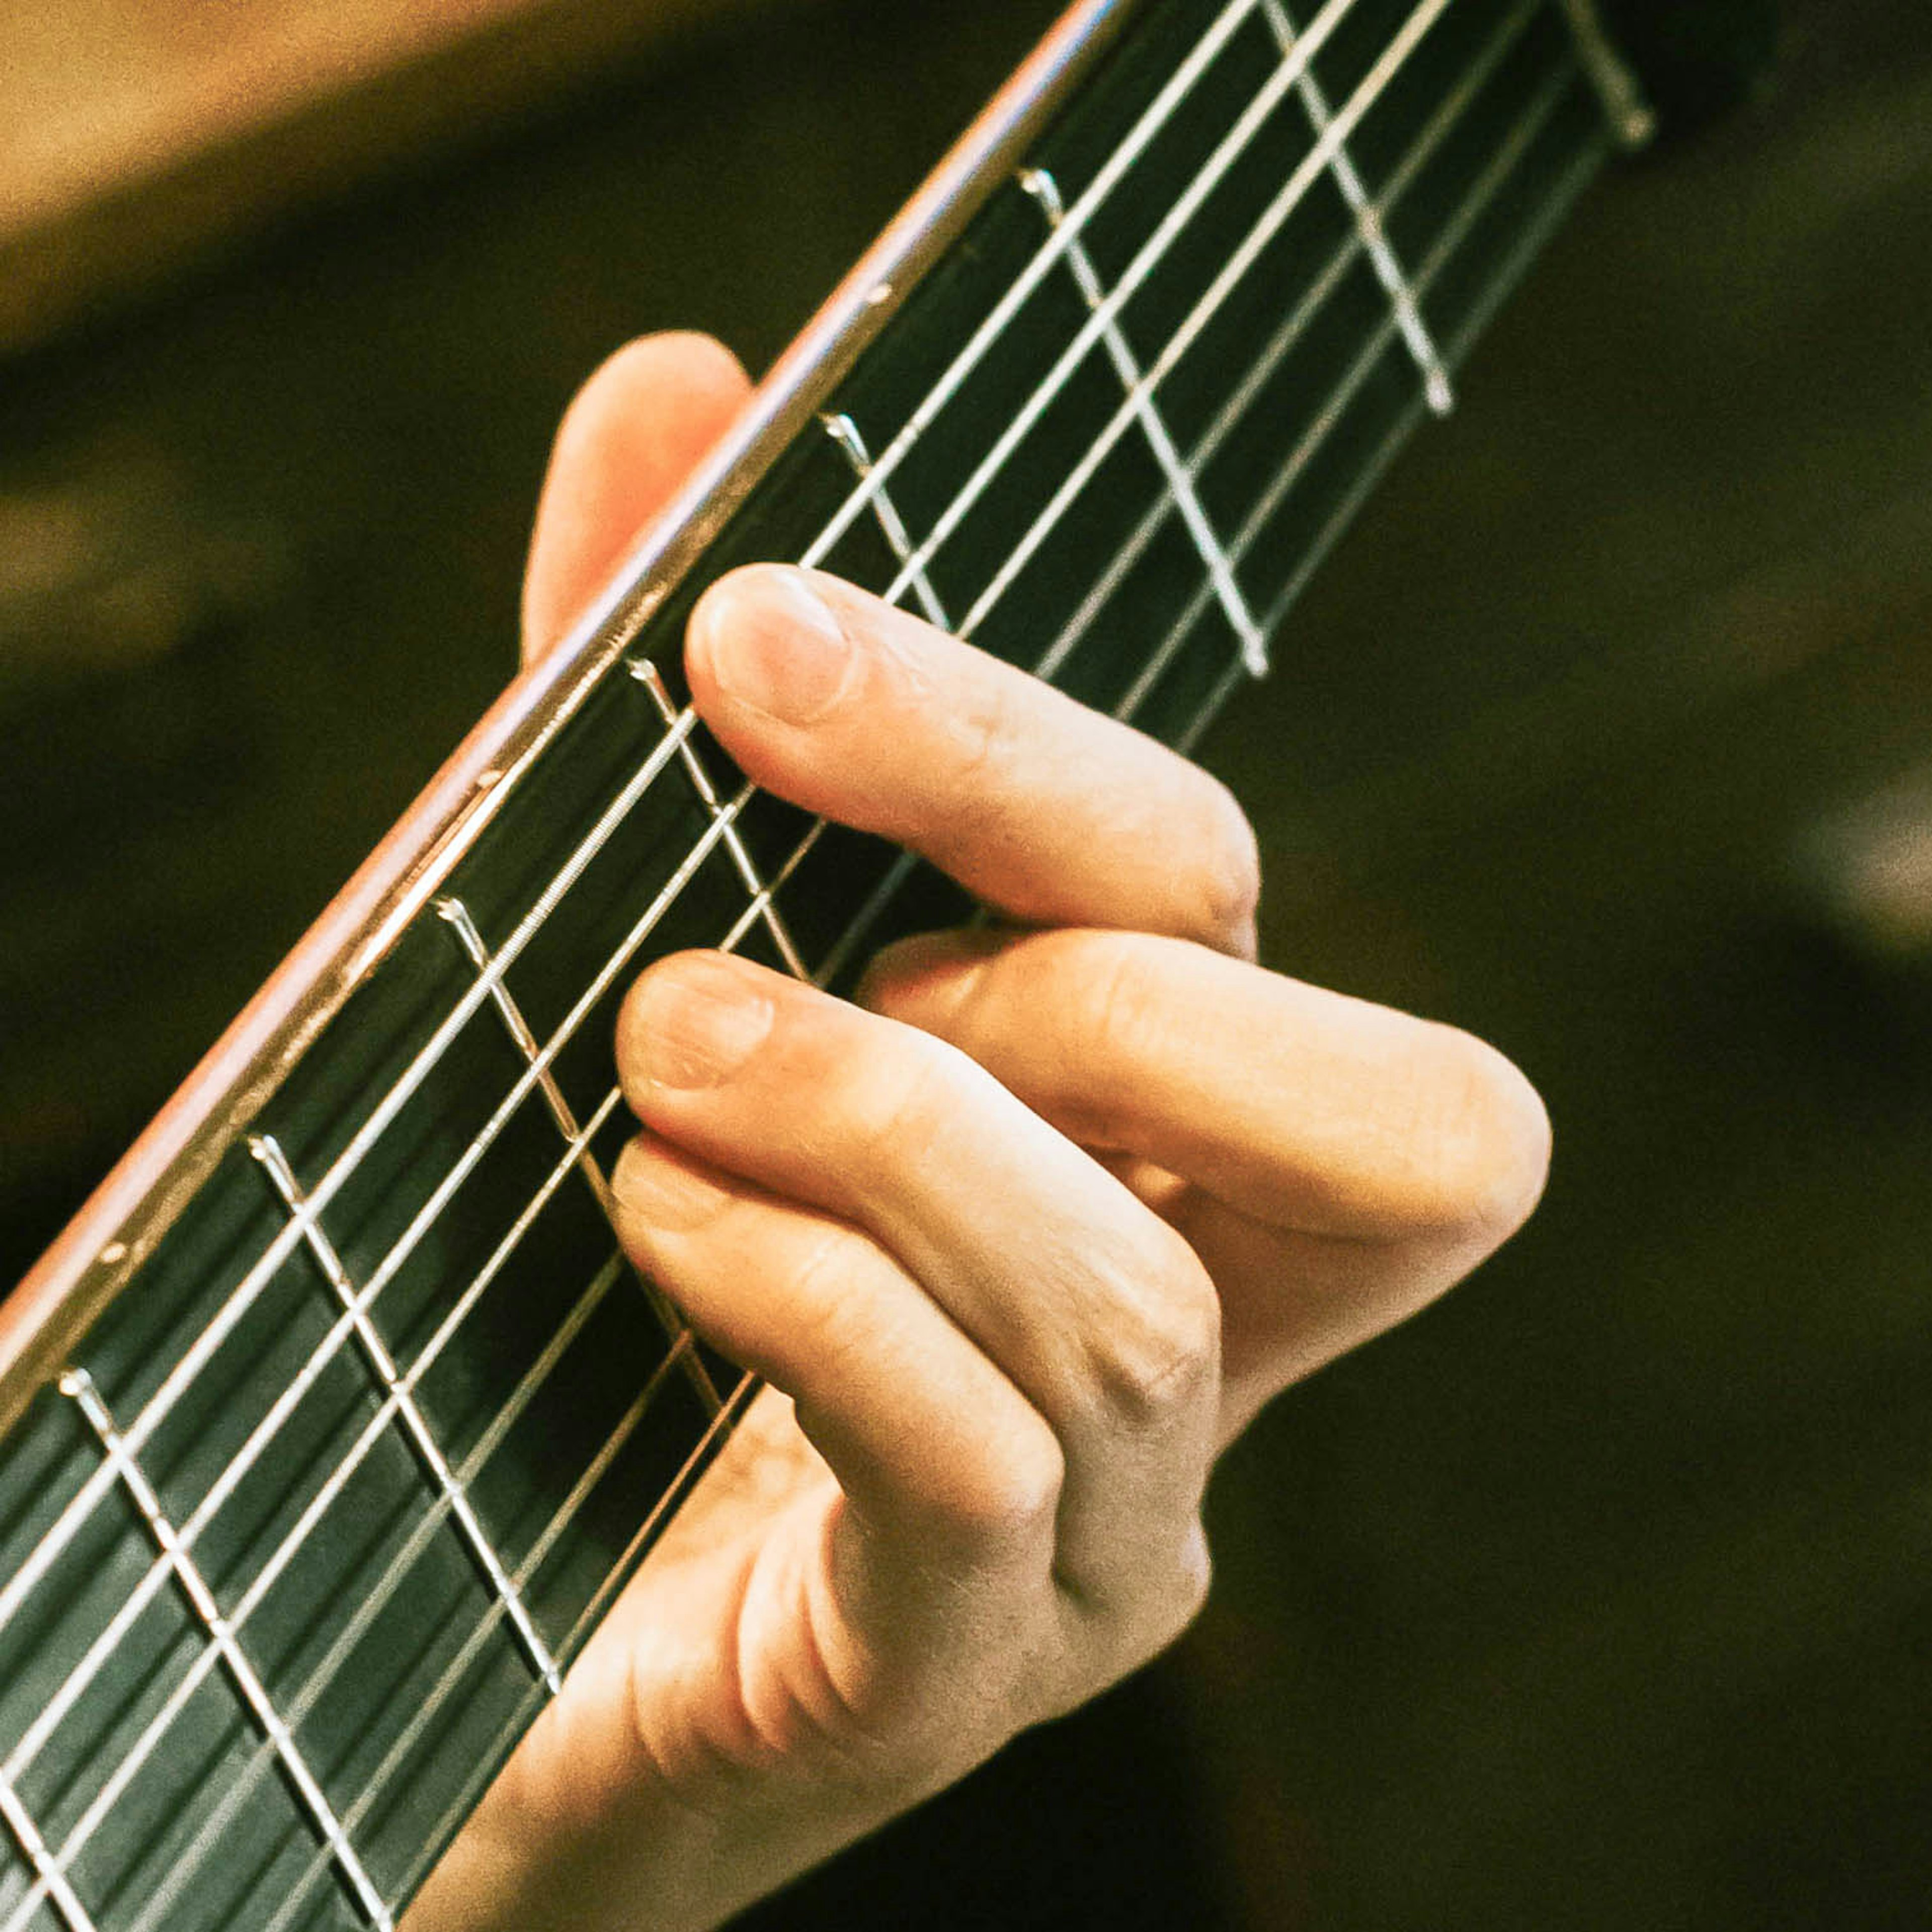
(628, 440)
(1296, 1105)
(1085, 1301)
(1054, 814)
(1352, 1160)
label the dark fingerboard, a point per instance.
(339, 1483)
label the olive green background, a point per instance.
(1601, 1595)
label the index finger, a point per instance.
(1054, 814)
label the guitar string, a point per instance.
(1351, 122)
(384, 1589)
(229, 1477)
(1280, 83)
(1482, 192)
(592, 1613)
(1414, 159)
(1077, 625)
(1574, 179)
(213, 1828)
(1166, 103)
(1536, 117)
(1284, 477)
(55, 1711)
(144, 1426)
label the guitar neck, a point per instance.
(338, 1420)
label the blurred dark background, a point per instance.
(1600, 1597)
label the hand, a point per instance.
(1020, 1242)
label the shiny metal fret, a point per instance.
(1039, 183)
(78, 1386)
(457, 917)
(50, 1880)
(275, 1163)
(764, 911)
(1420, 344)
(844, 432)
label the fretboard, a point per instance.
(299, 1534)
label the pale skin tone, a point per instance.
(1021, 1242)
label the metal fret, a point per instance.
(1368, 220)
(560, 1521)
(1232, 145)
(1182, 83)
(51, 1881)
(1140, 386)
(79, 1386)
(456, 916)
(1224, 560)
(415, 1424)
(741, 1399)
(1498, 169)
(343, 1645)
(185, 1372)
(764, 908)
(844, 432)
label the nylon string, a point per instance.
(871, 485)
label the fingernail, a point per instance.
(659, 1191)
(774, 643)
(698, 1021)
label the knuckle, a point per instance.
(1012, 1502)
(1161, 1358)
(902, 1097)
(1171, 1590)
(830, 1323)
(1190, 1578)
(978, 787)
(1128, 1007)
(1485, 1162)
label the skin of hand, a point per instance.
(1020, 1241)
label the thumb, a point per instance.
(632, 435)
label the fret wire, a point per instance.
(1141, 388)
(1154, 117)
(1447, 113)
(456, 916)
(317, 1508)
(185, 1373)
(1151, 253)
(1041, 185)
(845, 432)
(1451, 109)
(458, 1666)
(740, 1400)
(280, 1744)
(1286, 202)
(647, 674)
(326, 1670)
(333, 1341)
(416, 1425)
(1368, 220)
(1495, 172)
(18, 1588)
(51, 1881)
(1417, 155)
